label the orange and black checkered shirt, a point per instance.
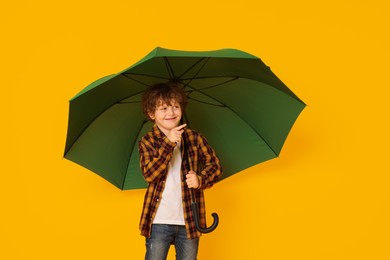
(156, 151)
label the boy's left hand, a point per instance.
(192, 180)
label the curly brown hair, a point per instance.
(163, 92)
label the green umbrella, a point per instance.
(235, 100)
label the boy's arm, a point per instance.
(153, 161)
(212, 170)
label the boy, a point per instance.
(167, 217)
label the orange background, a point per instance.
(327, 195)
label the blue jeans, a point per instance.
(163, 236)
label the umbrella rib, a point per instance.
(224, 105)
(131, 153)
(108, 107)
(190, 79)
(193, 66)
(127, 75)
(239, 77)
(233, 78)
(93, 120)
(127, 102)
(169, 68)
(207, 103)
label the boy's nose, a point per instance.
(171, 111)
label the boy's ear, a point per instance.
(151, 115)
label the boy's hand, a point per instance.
(175, 134)
(192, 180)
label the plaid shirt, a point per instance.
(156, 151)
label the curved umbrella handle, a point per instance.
(194, 204)
(195, 214)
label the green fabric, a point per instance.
(235, 100)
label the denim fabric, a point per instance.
(163, 236)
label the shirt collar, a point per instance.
(157, 132)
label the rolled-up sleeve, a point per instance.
(154, 161)
(212, 170)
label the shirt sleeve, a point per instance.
(154, 161)
(212, 170)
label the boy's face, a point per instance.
(167, 116)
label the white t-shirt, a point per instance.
(170, 210)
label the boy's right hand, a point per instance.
(174, 134)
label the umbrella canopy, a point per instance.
(234, 99)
